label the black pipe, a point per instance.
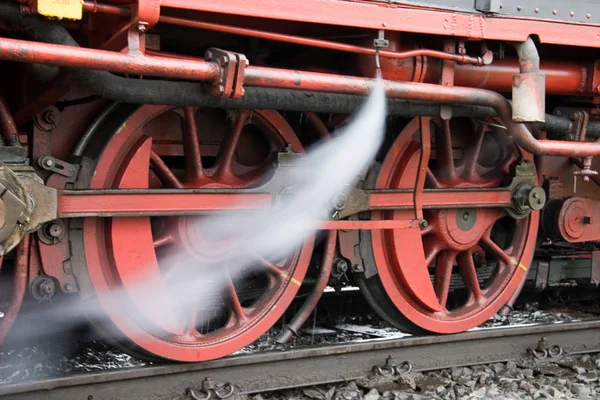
(137, 91)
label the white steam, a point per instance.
(326, 170)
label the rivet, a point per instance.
(518, 8)
(537, 10)
(572, 14)
(554, 12)
(588, 16)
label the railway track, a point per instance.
(253, 373)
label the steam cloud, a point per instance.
(324, 171)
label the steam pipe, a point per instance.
(132, 90)
(311, 301)
(528, 86)
(529, 59)
(19, 287)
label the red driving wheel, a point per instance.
(466, 263)
(165, 147)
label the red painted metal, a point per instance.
(7, 122)
(578, 220)
(128, 248)
(445, 246)
(562, 77)
(19, 287)
(25, 51)
(425, 132)
(113, 203)
(96, 7)
(324, 44)
(403, 18)
(79, 204)
(440, 199)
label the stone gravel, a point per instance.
(566, 377)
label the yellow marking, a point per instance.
(520, 265)
(291, 279)
(69, 9)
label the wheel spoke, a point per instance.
(488, 244)
(443, 275)
(444, 153)
(432, 251)
(268, 265)
(227, 150)
(164, 173)
(191, 323)
(432, 181)
(471, 155)
(469, 274)
(234, 300)
(191, 148)
(163, 239)
(427, 230)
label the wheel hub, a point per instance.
(202, 243)
(460, 229)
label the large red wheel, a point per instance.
(165, 147)
(466, 263)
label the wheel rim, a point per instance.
(457, 242)
(213, 149)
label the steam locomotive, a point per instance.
(125, 121)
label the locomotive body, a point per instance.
(125, 123)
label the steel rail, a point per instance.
(310, 366)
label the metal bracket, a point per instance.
(380, 43)
(210, 390)
(232, 66)
(488, 6)
(57, 166)
(392, 367)
(526, 196)
(543, 350)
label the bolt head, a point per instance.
(423, 223)
(141, 27)
(68, 287)
(49, 162)
(342, 266)
(55, 230)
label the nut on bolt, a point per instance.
(54, 230)
(339, 201)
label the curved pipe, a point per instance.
(9, 128)
(311, 301)
(529, 59)
(19, 287)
